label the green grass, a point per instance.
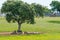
(32, 37)
(49, 25)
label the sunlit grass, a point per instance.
(32, 37)
(49, 25)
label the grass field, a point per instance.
(49, 25)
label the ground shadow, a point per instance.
(58, 22)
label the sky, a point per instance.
(42, 2)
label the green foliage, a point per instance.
(55, 5)
(46, 10)
(38, 9)
(18, 11)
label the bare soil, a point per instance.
(18, 33)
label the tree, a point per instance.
(46, 10)
(20, 12)
(38, 9)
(55, 5)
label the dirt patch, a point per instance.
(5, 33)
(18, 33)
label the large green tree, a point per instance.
(20, 12)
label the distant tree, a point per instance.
(55, 5)
(46, 10)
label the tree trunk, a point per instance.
(19, 27)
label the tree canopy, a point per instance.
(46, 10)
(38, 9)
(18, 11)
(55, 5)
